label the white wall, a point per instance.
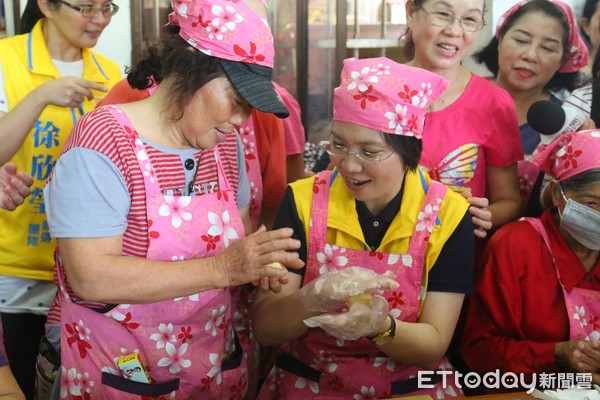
(115, 42)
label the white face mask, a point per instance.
(581, 222)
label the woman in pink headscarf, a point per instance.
(536, 307)
(536, 54)
(387, 252)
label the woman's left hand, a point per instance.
(360, 320)
(482, 217)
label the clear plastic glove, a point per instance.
(360, 320)
(330, 291)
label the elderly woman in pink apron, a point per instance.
(536, 308)
(149, 222)
(388, 252)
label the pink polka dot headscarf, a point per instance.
(386, 96)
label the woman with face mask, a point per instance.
(535, 308)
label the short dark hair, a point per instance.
(409, 44)
(187, 69)
(408, 148)
(488, 55)
(588, 10)
(581, 181)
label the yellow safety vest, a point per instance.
(343, 227)
(26, 248)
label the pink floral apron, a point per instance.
(243, 295)
(528, 174)
(583, 305)
(188, 344)
(317, 365)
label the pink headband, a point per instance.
(570, 154)
(386, 96)
(224, 29)
(577, 56)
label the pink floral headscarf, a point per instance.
(225, 29)
(386, 96)
(578, 54)
(570, 154)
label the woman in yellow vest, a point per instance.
(49, 79)
(378, 230)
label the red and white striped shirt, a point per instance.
(99, 131)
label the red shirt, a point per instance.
(517, 313)
(270, 145)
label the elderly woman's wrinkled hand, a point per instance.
(580, 356)
(247, 260)
(482, 217)
(14, 186)
(359, 320)
(331, 290)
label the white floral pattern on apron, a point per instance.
(187, 344)
(317, 364)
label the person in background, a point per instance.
(536, 54)
(49, 78)
(471, 140)
(507, 326)
(295, 138)
(9, 388)
(14, 187)
(160, 216)
(379, 228)
(589, 28)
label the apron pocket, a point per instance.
(142, 389)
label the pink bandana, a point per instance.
(578, 51)
(381, 94)
(225, 29)
(570, 154)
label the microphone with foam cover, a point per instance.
(552, 120)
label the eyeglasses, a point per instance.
(338, 150)
(90, 11)
(444, 18)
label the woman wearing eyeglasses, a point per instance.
(384, 248)
(472, 140)
(536, 54)
(49, 79)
